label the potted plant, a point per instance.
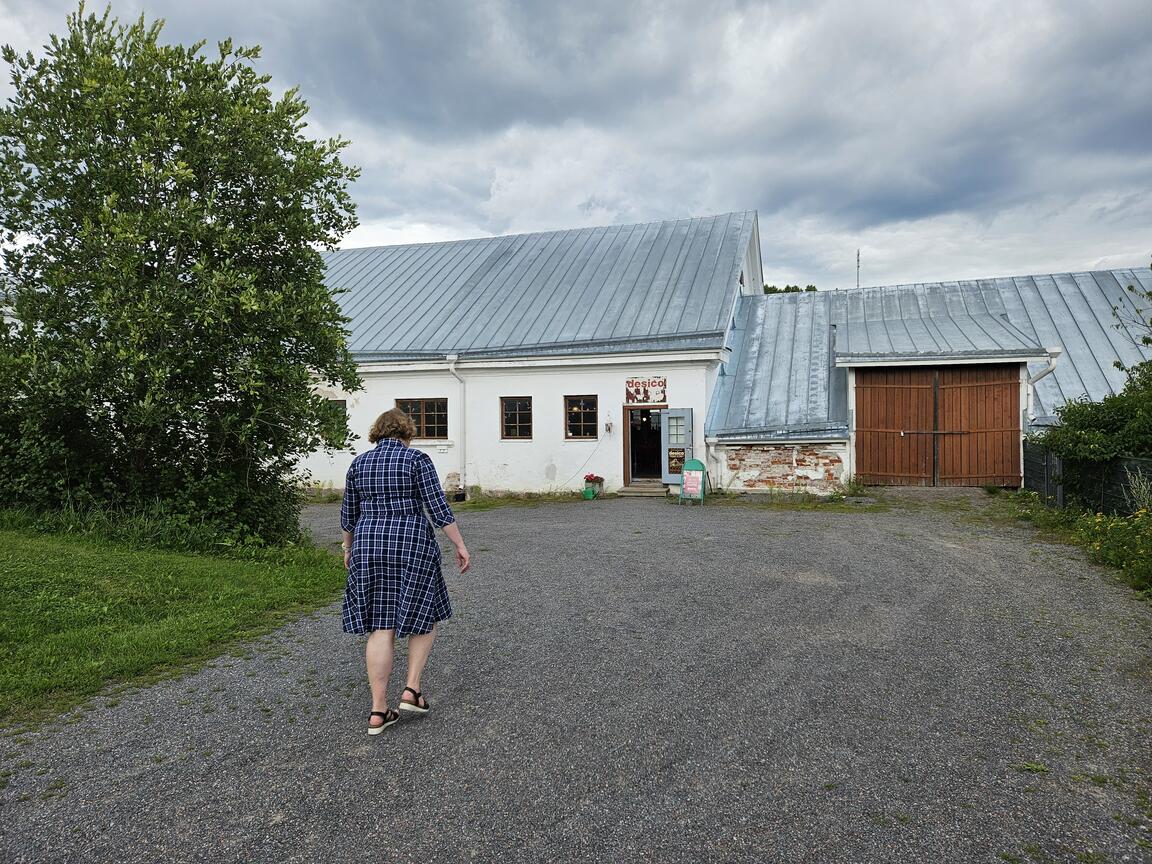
(593, 486)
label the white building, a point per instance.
(529, 361)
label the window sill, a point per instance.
(432, 442)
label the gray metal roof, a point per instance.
(624, 288)
(782, 380)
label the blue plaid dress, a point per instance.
(394, 578)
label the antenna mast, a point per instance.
(857, 268)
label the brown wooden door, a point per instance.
(947, 425)
(979, 426)
(892, 406)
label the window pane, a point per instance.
(435, 418)
(580, 416)
(676, 430)
(516, 417)
(411, 407)
(429, 415)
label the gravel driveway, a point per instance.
(630, 680)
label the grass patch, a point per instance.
(1031, 767)
(488, 501)
(853, 486)
(81, 612)
(781, 500)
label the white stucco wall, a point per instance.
(548, 461)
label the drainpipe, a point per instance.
(452, 358)
(714, 461)
(1053, 356)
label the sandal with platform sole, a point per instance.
(390, 717)
(414, 706)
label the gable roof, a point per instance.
(622, 288)
(782, 380)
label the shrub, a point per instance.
(165, 316)
(1138, 492)
(1123, 542)
(157, 526)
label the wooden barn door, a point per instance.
(979, 426)
(890, 403)
(945, 426)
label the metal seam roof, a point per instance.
(994, 318)
(622, 288)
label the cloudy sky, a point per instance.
(945, 140)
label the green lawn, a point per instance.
(79, 613)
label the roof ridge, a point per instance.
(622, 225)
(852, 288)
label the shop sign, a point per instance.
(675, 460)
(692, 486)
(646, 391)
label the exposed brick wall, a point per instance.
(815, 468)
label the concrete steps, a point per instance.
(643, 489)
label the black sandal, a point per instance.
(414, 706)
(390, 717)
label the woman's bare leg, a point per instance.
(419, 647)
(378, 659)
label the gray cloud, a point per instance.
(945, 139)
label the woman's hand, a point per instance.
(463, 559)
(346, 542)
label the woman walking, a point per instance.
(395, 587)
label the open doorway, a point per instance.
(642, 450)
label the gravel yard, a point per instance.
(631, 680)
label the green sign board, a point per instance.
(693, 481)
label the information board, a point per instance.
(692, 485)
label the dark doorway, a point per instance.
(644, 443)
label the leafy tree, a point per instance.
(164, 316)
(1117, 425)
(787, 289)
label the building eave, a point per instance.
(1026, 355)
(464, 363)
(781, 435)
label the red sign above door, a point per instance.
(646, 391)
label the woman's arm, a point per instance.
(349, 512)
(463, 559)
(432, 497)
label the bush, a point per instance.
(158, 526)
(165, 316)
(1123, 542)
(1118, 425)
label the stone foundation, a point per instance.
(815, 468)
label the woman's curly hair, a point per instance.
(392, 424)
